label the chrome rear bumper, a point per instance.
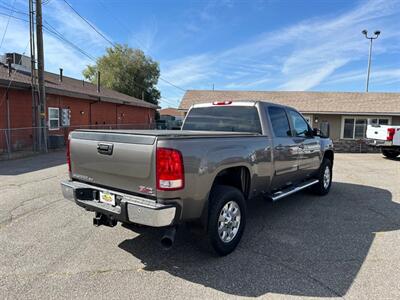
(128, 208)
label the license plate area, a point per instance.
(107, 197)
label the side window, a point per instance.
(279, 121)
(300, 125)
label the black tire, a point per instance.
(390, 153)
(220, 196)
(322, 188)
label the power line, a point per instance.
(87, 22)
(14, 17)
(52, 30)
(13, 9)
(49, 28)
(103, 36)
(172, 84)
(120, 22)
(170, 102)
(8, 22)
(97, 31)
(130, 32)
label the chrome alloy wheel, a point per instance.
(327, 177)
(229, 221)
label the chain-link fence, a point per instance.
(15, 142)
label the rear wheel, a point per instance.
(324, 178)
(227, 218)
(390, 153)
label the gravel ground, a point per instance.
(344, 245)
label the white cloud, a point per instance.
(147, 36)
(312, 78)
(298, 57)
(302, 56)
(74, 28)
(184, 72)
(381, 76)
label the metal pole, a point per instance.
(369, 64)
(33, 81)
(8, 139)
(42, 92)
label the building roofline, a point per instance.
(16, 84)
(290, 92)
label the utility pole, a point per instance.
(365, 33)
(42, 93)
(33, 77)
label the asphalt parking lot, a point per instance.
(344, 245)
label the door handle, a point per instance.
(106, 149)
(279, 147)
(301, 146)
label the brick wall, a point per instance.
(3, 124)
(135, 115)
(20, 106)
(83, 114)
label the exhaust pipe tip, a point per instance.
(167, 243)
(168, 239)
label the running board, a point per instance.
(288, 191)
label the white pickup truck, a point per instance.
(386, 137)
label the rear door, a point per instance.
(286, 148)
(115, 160)
(309, 146)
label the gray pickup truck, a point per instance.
(226, 154)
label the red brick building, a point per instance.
(87, 106)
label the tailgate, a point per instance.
(377, 132)
(115, 160)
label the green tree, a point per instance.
(128, 71)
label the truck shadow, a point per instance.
(302, 245)
(32, 163)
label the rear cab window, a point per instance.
(223, 118)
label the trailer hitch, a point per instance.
(101, 219)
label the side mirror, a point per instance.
(316, 132)
(323, 132)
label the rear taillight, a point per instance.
(222, 102)
(69, 155)
(390, 134)
(170, 173)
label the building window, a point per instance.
(309, 119)
(356, 127)
(54, 118)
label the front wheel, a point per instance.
(227, 218)
(390, 153)
(324, 178)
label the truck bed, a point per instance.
(169, 133)
(126, 159)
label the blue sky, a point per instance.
(235, 45)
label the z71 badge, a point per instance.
(145, 189)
